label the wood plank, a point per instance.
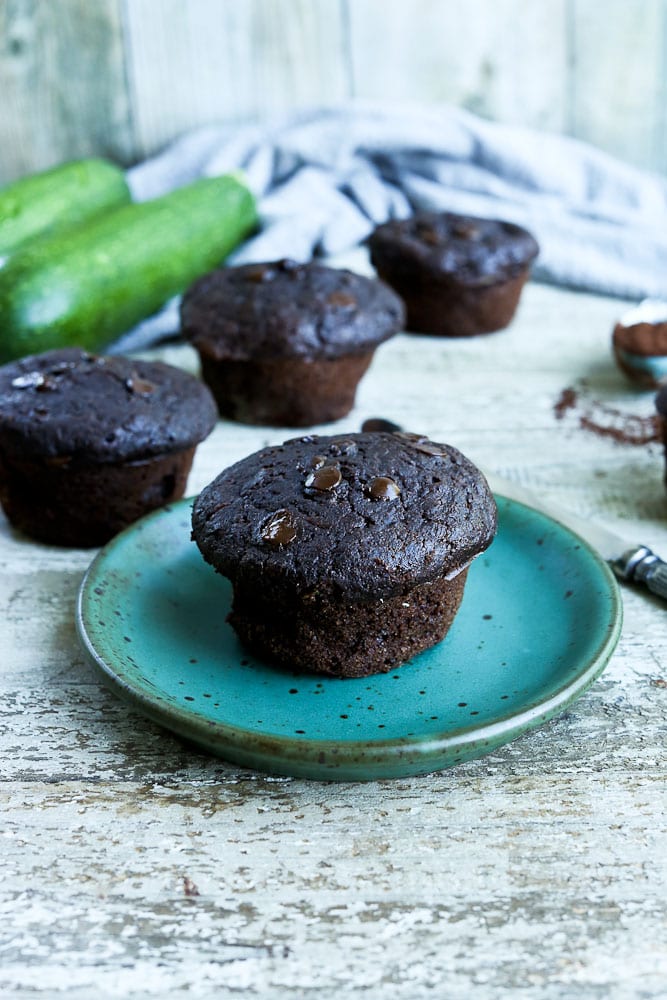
(62, 82)
(504, 883)
(213, 61)
(135, 866)
(617, 78)
(505, 60)
(556, 65)
(659, 162)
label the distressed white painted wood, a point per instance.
(62, 84)
(618, 72)
(132, 866)
(124, 77)
(202, 62)
(505, 60)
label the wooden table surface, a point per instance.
(133, 866)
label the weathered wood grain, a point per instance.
(202, 62)
(617, 73)
(62, 81)
(485, 883)
(135, 866)
(505, 60)
(123, 77)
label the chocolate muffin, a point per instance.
(88, 444)
(458, 275)
(286, 344)
(347, 554)
(639, 343)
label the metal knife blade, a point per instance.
(630, 562)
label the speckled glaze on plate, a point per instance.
(540, 618)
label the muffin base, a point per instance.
(453, 310)
(353, 640)
(286, 392)
(60, 501)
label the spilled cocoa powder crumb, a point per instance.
(566, 401)
(189, 887)
(608, 421)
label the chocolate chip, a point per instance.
(317, 461)
(291, 267)
(140, 386)
(409, 436)
(30, 381)
(380, 424)
(384, 488)
(421, 443)
(341, 299)
(260, 273)
(429, 448)
(279, 529)
(343, 448)
(466, 230)
(324, 479)
(35, 380)
(48, 384)
(62, 367)
(427, 234)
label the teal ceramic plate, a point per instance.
(540, 618)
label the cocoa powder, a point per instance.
(608, 421)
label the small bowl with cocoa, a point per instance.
(639, 343)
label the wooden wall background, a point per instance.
(123, 77)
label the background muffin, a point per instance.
(347, 554)
(285, 344)
(88, 444)
(458, 275)
(639, 343)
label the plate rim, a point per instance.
(239, 744)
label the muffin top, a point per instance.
(100, 409)
(442, 246)
(356, 516)
(284, 309)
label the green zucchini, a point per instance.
(85, 287)
(62, 197)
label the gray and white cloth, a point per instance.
(325, 178)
